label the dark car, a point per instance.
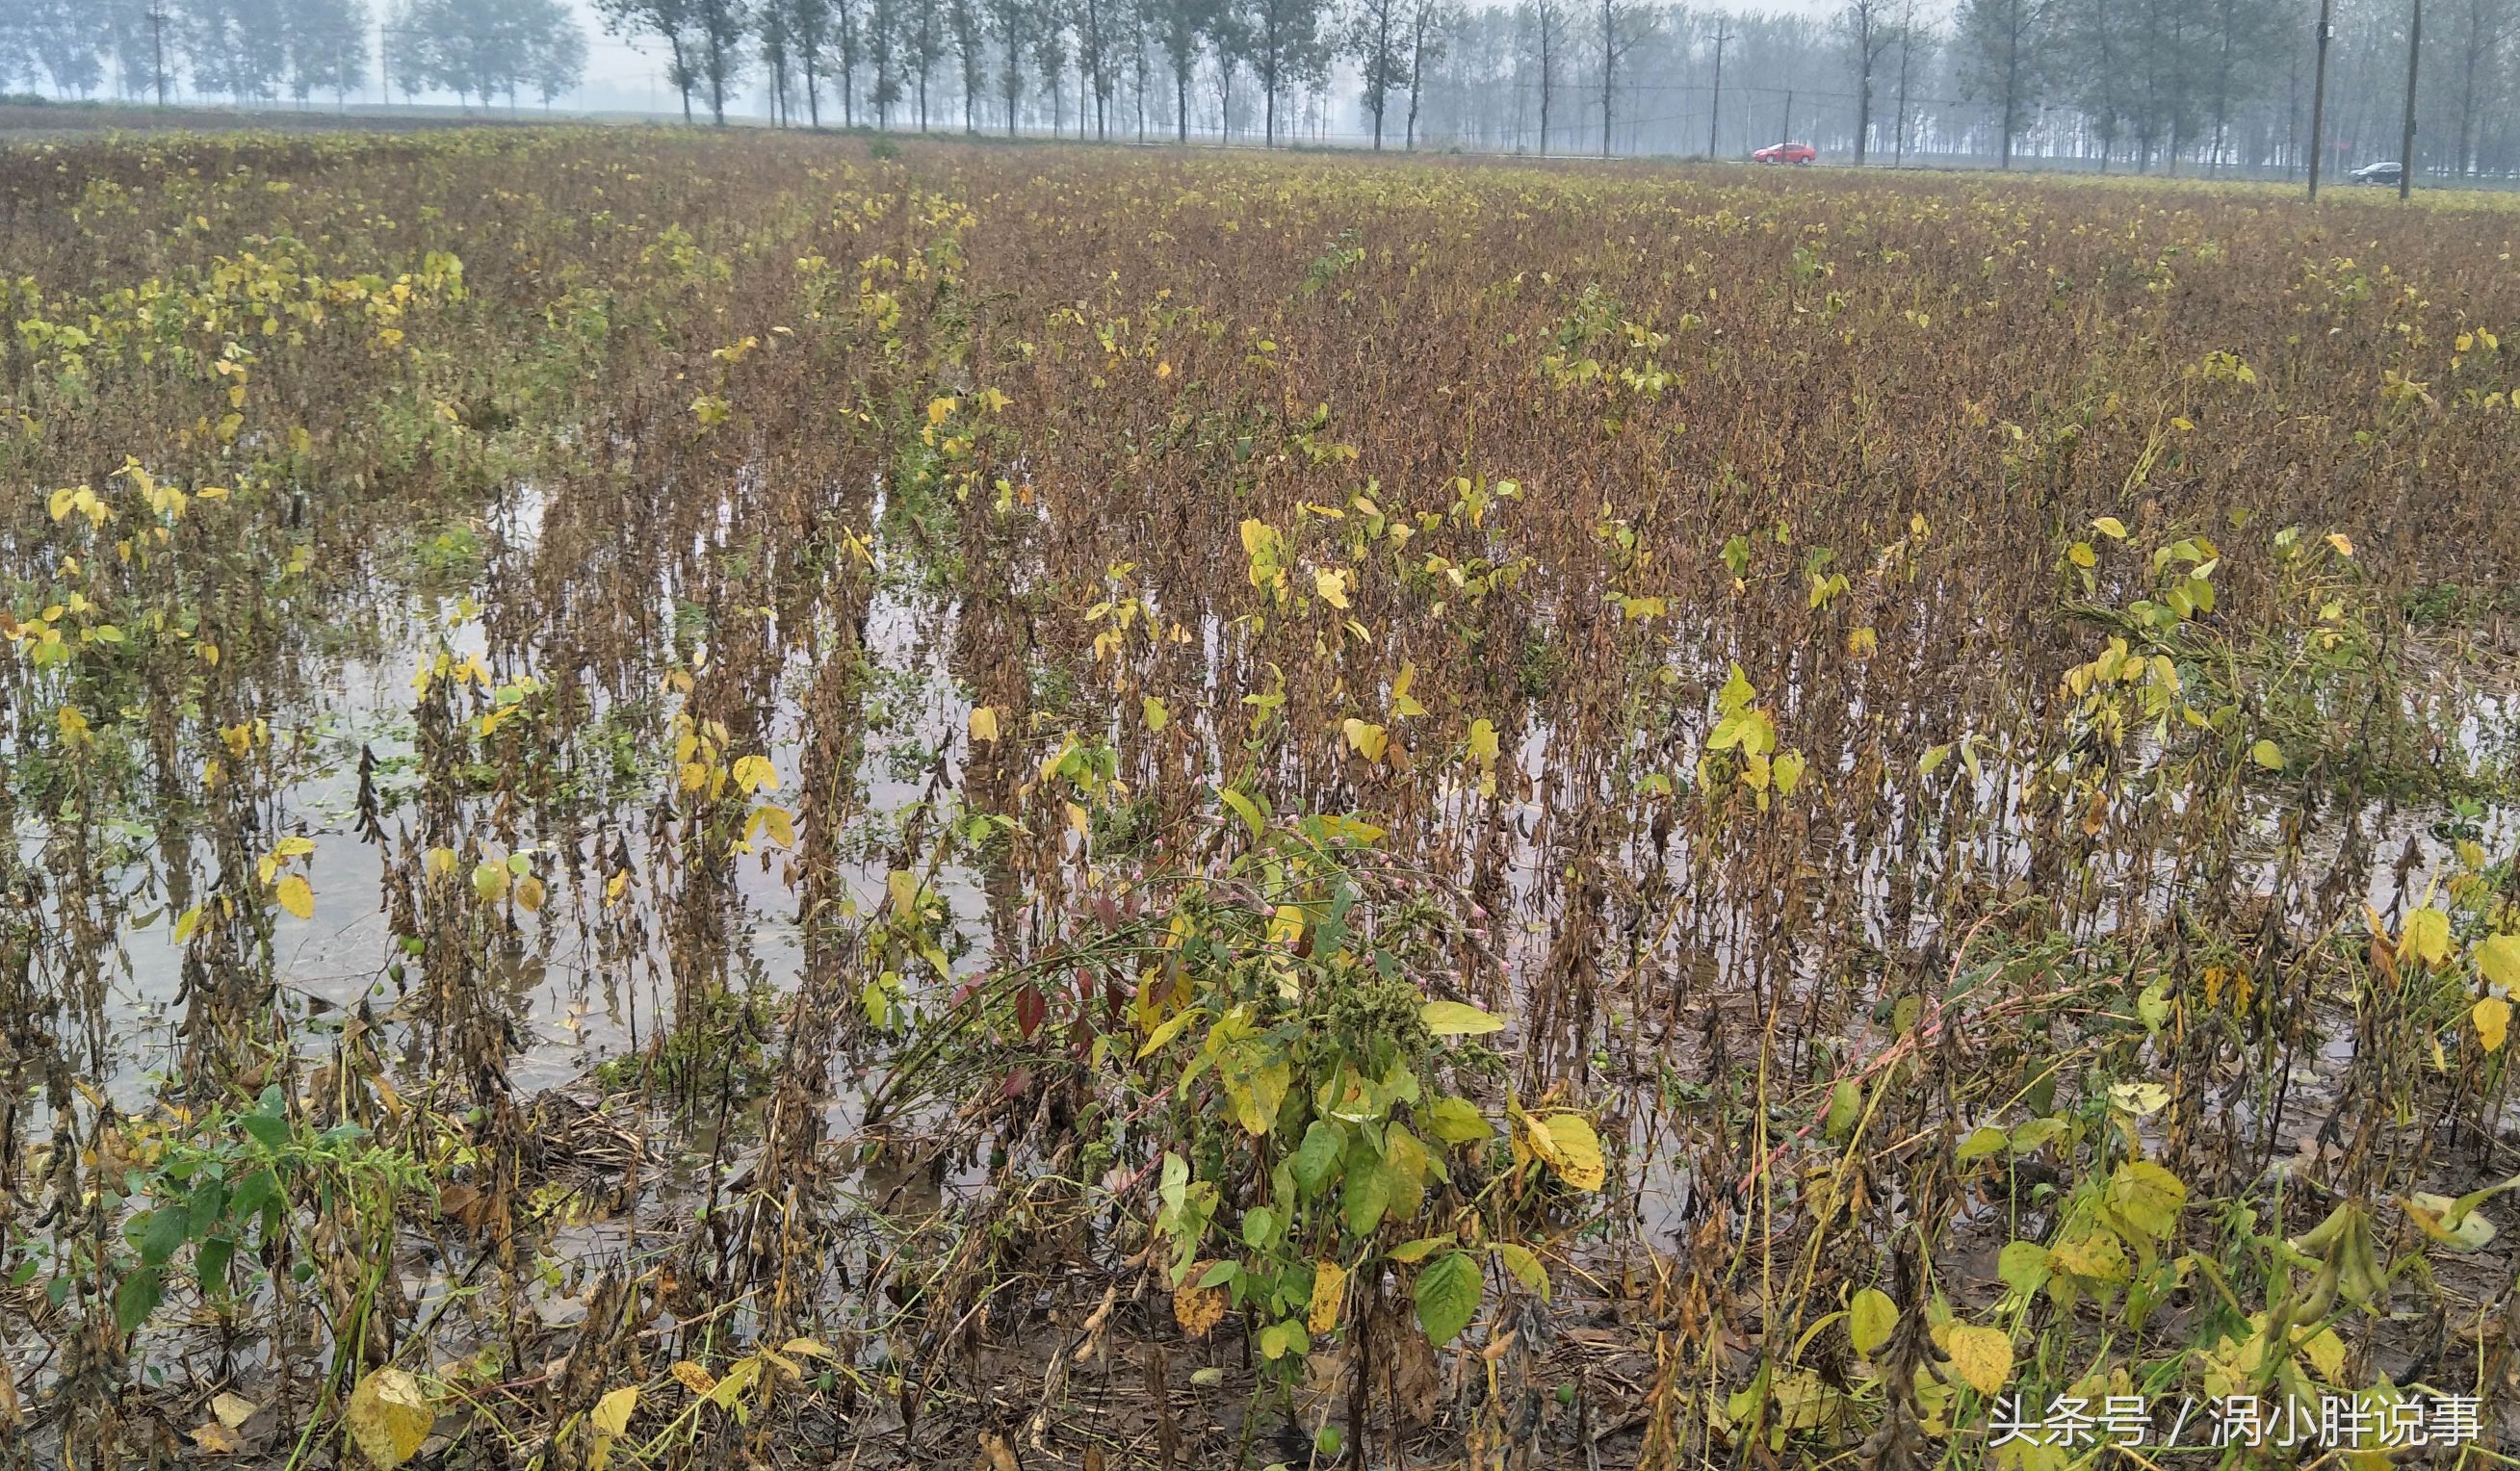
(2376, 173)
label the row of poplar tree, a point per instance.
(261, 52)
(2213, 85)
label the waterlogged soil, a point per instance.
(928, 482)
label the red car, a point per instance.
(1787, 153)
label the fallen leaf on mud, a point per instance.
(216, 1439)
(388, 1416)
(460, 1203)
(996, 1455)
(233, 1410)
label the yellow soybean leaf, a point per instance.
(1981, 1357)
(1366, 740)
(2428, 934)
(2492, 1018)
(389, 1417)
(297, 896)
(1578, 1153)
(985, 723)
(1330, 1288)
(2499, 958)
(611, 1414)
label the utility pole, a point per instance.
(2319, 100)
(1715, 109)
(2407, 143)
(158, 49)
(1789, 117)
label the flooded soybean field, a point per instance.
(736, 800)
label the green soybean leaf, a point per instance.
(1448, 1295)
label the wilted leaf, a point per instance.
(1981, 1357)
(2499, 960)
(2492, 1018)
(1577, 1158)
(2468, 1231)
(388, 1416)
(297, 896)
(2140, 1099)
(2147, 1198)
(1199, 1310)
(2427, 935)
(692, 1377)
(1330, 1288)
(611, 1414)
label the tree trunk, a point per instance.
(1416, 70)
(1609, 69)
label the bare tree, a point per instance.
(1427, 33)
(809, 28)
(883, 49)
(927, 38)
(1287, 48)
(2489, 24)
(2000, 42)
(1180, 29)
(1011, 25)
(1374, 36)
(1546, 22)
(969, 29)
(1623, 24)
(1869, 32)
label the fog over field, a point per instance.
(2230, 87)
